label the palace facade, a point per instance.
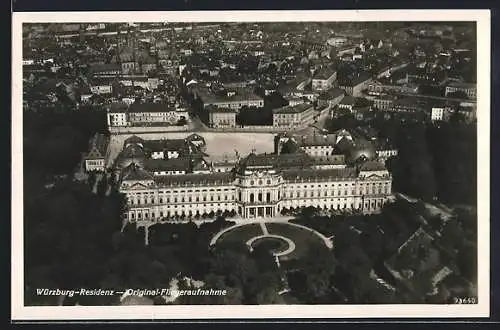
(259, 185)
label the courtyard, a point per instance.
(220, 145)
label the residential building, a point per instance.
(324, 79)
(407, 104)
(129, 67)
(117, 115)
(95, 159)
(437, 113)
(147, 113)
(378, 87)
(347, 103)
(331, 97)
(106, 70)
(233, 99)
(354, 85)
(467, 89)
(101, 87)
(221, 117)
(296, 116)
(383, 102)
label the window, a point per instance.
(260, 197)
(268, 182)
(268, 197)
(251, 198)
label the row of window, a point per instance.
(151, 215)
(166, 192)
(182, 206)
(345, 192)
(146, 214)
(367, 205)
(259, 197)
(97, 162)
(317, 147)
(189, 199)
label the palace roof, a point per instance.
(175, 164)
(195, 179)
(320, 175)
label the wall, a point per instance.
(147, 129)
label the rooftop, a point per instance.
(317, 140)
(299, 108)
(165, 145)
(98, 146)
(240, 94)
(216, 109)
(298, 159)
(348, 100)
(355, 80)
(175, 164)
(135, 173)
(118, 107)
(150, 107)
(101, 68)
(372, 166)
(324, 73)
(461, 85)
(195, 179)
(331, 94)
(320, 175)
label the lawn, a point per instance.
(302, 238)
(271, 244)
(241, 234)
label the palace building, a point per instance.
(258, 185)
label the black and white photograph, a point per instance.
(327, 163)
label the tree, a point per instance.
(76, 228)
(453, 148)
(412, 168)
(182, 122)
(289, 147)
(467, 261)
(313, 281)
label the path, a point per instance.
(381, 281)
(290, 249)
(264, 228)
(328, 241)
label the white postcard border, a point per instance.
(482, 309)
